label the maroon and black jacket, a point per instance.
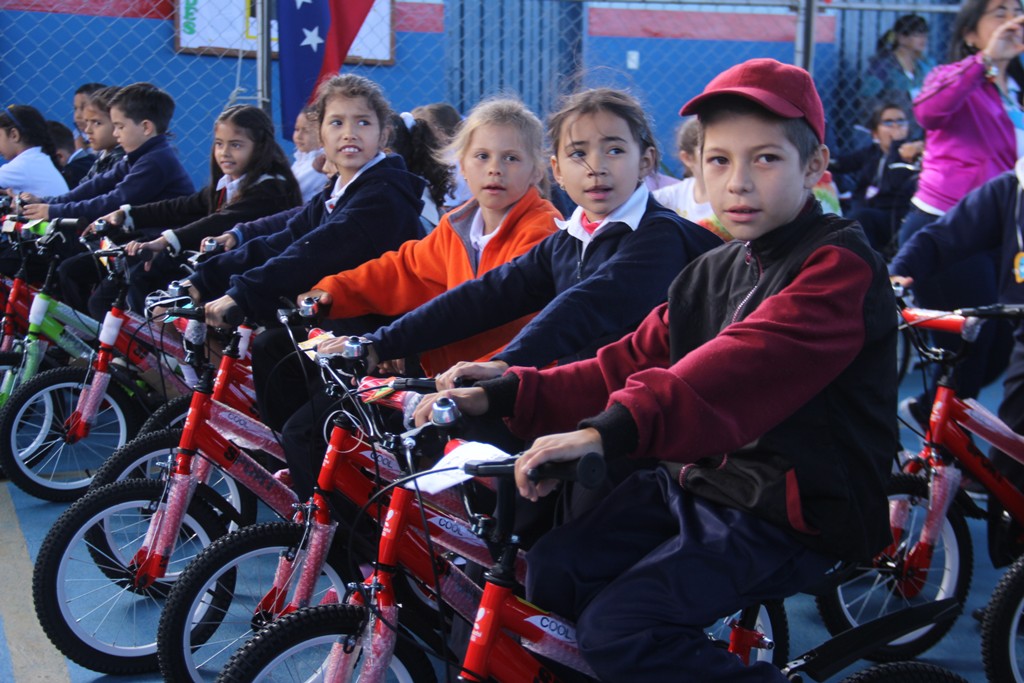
(770, 374)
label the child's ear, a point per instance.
(557, 174)
(817, 164)
(647, 162)
(148, 127)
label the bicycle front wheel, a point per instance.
(36, 451)
(83, 583)
(906, 672)
(219, 602)
(147, 457)
(891, 581)
(1002, 632)
(299, 647)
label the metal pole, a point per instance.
(263, 56)
(803, 50)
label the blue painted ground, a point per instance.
(960, 650)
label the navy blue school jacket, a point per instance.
(377, 213)
(989, 218)
(150, 173)
(585, 300)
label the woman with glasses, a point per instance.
(31, 156)
(971, 111)
(896, 72)
(883, 175)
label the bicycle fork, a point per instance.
(912, 575)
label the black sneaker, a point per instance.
(914, 412)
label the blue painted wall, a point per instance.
(47, 75)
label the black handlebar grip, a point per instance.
(421, 386)
(196, 313)
(234, 316)
(589, 471)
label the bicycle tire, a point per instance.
(170, 415)
(873, 589)
(88, 610)
(1001, 630)
(145, 457)
(905, 353)
(905, 672)
(301, 641)
(204, 606)
(34, 451)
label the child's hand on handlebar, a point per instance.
(40, 212)
(323, 303)
(392, 367)
(217, 311)
(470, 400)
(553, 448)
(114, 218)
(337, 345)
(26, 197)
(134, 247)
(227, 240)
(473, 371)
(902, 281)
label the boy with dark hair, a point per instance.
(100, 130)
(767, 386)
(72, 167)
(81, 137)
(150, 170)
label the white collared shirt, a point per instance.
(631, 212)
(477, 238)
(339, 189)
(33, 171)
(230, 187)
(310, 180)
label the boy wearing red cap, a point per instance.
(766, 384)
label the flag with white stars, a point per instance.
(314, 37)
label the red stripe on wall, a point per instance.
(135, 9)
(418, 17)
(627, 23)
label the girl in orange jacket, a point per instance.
(499, 152)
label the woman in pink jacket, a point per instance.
(971, 112)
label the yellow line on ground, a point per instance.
(33, 656)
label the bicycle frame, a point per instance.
(218, 416)
(950, 422)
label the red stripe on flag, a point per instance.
(731, 26)
(418, 17)
(347, 17)
(133, 9)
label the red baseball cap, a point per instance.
(782, 89)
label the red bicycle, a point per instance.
(931, 556)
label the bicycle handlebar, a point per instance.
(588, 471)
(420, 386)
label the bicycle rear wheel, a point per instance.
(298, 647)
(83, 583)
(1002, 632)
(880, 587)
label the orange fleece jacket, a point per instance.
(419, 270)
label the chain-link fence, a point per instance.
(421, 51)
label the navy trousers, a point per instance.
(645, 572)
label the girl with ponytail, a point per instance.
(26, 144)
